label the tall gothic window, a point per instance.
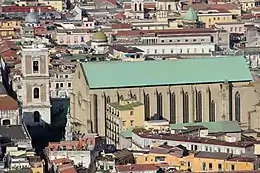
(185, 107)
(169, 7)
(237, 107)
(36, 93)
(212, 111)
(159, 106)
(95, 104)
(147, 106)
(140, 7)
(118, 97)
(135, 7)
(199, 106)
(212, 107)
(108, 99)
(172, 108)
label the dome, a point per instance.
(99, 37)
(191, 15)
(32, 17)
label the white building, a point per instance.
(142, 140)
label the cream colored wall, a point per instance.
(80, 113)
(138, 116)
(211, 19)
(223, 111)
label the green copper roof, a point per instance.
(99, 36)
(213, 127)
(116, 74)
(191, 15)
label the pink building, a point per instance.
(72, 36)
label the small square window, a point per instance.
(232, 167)
(66, 76)
(131, 112)
(69, 85)
(61, 85)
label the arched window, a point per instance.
(147, 106)
(108, 99)
(36, 117)
(185, 107)
(134, 97)
(6, 122)
(198, 106)
(169, 7)
(135, 7)
(36, 93)
(237, 107)
(121, 97)
(212, 111)
(159, 106)
(212, 107)
(140, 7)
(172, 108)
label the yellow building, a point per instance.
(211, 17)
(123, 115)
(56, 4)
(10, 23)
(7, 27)
(195, 161)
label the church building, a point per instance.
(180, 91)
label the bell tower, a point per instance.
(35, 74)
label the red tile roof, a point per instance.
(127, 6)
(121, 26)
(62, 161)
(67, 168)
(25, 9)
(212, 6)
(150, 5)
(167, 31)
(120, 16)
(183, 138)
(8, 103)
(140, 167)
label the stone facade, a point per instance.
(177, 103)
(35, 84)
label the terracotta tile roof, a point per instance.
(150, 5)
(8, 103)
(68, 168)
(61, 161)
(183, 138)
(121, 26)
(167, 31)
(25, 9)
(120, 16)
(127, 6)
(212, 6)
(140, 167)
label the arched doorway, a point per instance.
(6, 122)
(36, 117)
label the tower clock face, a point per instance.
(79, 98)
